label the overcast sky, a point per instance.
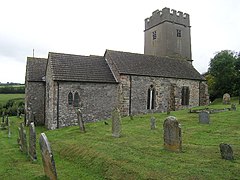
(92, 26)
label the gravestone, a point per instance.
(204, 117)
(23, 139)
(47, 158)
(116, 123)
(172, 134)
(3, 116)
(19, 139)
(226, 151)
(226, 98)
(153, 123)
(32, 142)
(9, 130)
(80, 120)
(233, 107)
(6, 120)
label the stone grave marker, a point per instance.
(19, 139)
(172, 134)
(153, 123)
(226, 98)
(204, 117)
(226, 151)
(23, 139)
(32, 142)
(9, 129)
(47, 158)
(233, 107)
(116, 123)
(6, 120)
(80, 120)
(3, 116)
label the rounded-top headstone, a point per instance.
(226, 151)
(172, 134)
(226, 98)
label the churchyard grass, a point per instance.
(137, 154)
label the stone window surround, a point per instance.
(151, 97)
(73, 99)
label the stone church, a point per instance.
(162, 79)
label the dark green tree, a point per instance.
(224, 75)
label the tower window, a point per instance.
(151, 97)
(154, 35)
(185, 95)
(179, 33)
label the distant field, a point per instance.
(5, 97)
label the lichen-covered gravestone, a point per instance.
(153, 123)
(80, 120)
(32, 142)
(226, 151)
(226, 98)
(172, 134)
(47, 158)
(116, 123)
(23, 139)
(204, 117)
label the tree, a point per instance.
(224, 74)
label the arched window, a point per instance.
(70, 98)
(185, 95)
(151, 98)
(76, 102)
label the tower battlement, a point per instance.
(164, 15)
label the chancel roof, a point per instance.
(148, 65)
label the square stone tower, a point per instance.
(168, 34)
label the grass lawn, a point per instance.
(138, 154)
(5, 97)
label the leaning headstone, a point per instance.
(116, 123)
(23, 139)
(226, 98)
(226, 151)
(172, 134)
(153, 123)
(32, 142)
(204, 117)
(233, 107)
(47, 158)
(80, 120)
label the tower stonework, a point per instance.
(167, 33)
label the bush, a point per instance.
(13, 107)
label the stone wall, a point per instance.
(165, 88)
(204, 96)
(97, 101)
(35, 102)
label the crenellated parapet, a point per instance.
(164, 15)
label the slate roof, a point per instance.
(148, 65)
(69, 67)
(35, 69)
